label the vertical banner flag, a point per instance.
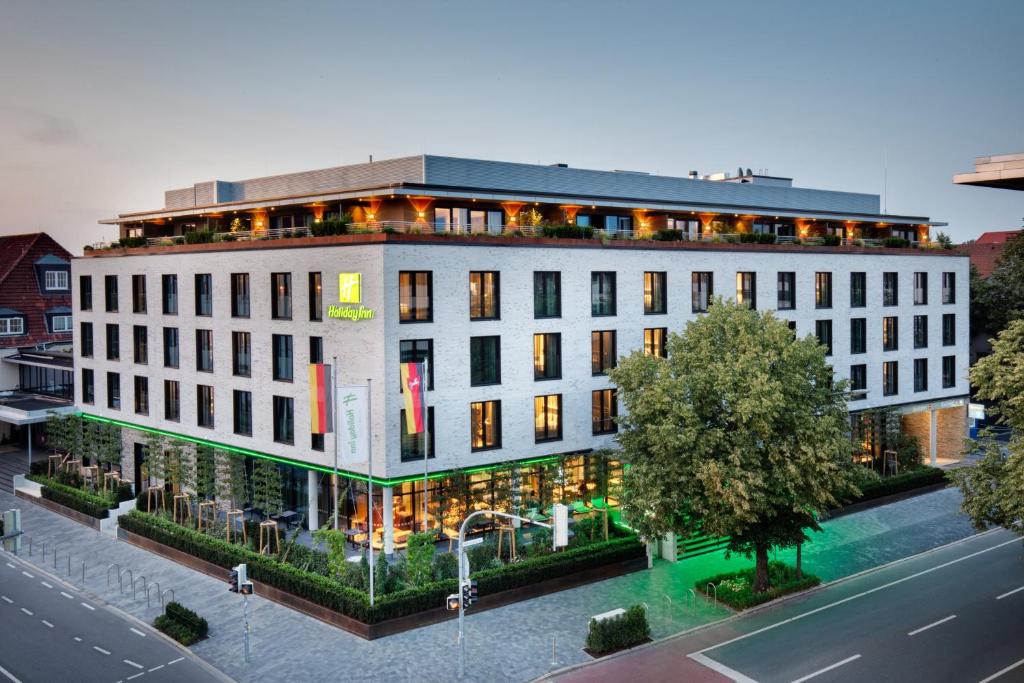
(352, 426)
(412, 392)
(321, 403)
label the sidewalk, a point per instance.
(512, 643)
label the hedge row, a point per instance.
(913, 479)
(736, 588)
(354, 603)
(187, 618)
(76, 499)
(618, 633)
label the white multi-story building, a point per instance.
(209, 341)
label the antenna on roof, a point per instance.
(371, 158)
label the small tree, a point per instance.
(206, 486)
(232, 482)
(108, 445)
(420, 563)
(266, 485)
(156, 458)
(56, 432)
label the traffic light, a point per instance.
(245, 588)
(233, 580)
(238, 580)
(560, 526)
(469, 593)
(453, 602)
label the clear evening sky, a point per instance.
(104, 105)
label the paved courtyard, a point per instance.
(512, 643)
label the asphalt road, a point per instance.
(50, 632)
(955, 614)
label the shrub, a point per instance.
(420, 554)
(331, 226)
(757, 238)
(187, 618)
(736, 588)
(127, 242)
(907, 481)
(198, 237)
(568, 231)
(175, 630)
(74, 498)
(831, 240)
(445, 567)
(668, 235)
(896, 242)
(619, 632)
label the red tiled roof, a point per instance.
(20, 289)
(996, 237)
(986, 250)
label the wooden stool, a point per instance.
(203, 507)
(265, 540)
(152, 493)
(182, 503)
(54, 464)
(231, 515)
(511, 531)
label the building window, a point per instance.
(823, 290)
(169, 285)
(171, 347)
(141, 395)
(484, 361)
(204, 294)
(949, 329)
(172, 400)
(12, 326)
(920, 331)
(316, 349)
(240, 295)
(823, 330)
(858, 335)
(485, 425)
(204, 405)
(204, 350)
(86, 342)
(746, 289)
(85, 292)
(920, 289)
(412, 444)
(113, 391)
(787, 291)
(655, 293)
(547, 418)
(654, 341)
(242, 409)
(547, 294)
(858, 290)
(138, 293)
(547, 356)
(604, 410)
(890, 289)
(602, 351)
(949, 288)
(316, 296)
(484, 293)
(701, 291)
(414, 296)
(55, 280)
(602, 293)
(88, 386)
(281, 296)
(284, 419)
(418, 351)
(890, 334)
(283, 361)
(948, 372)
(890, 378)
(60, 323)
(858, 381)
(241, 354)
(110, 293)
(920, 374)
(113, 342)
(316, 442)
(140, 344)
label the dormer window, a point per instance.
(60, 323)
(12, 326)
(56, 280)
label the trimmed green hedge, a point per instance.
(187, 618)
(735, 588)
(76, 499)
(175, 630)
(332, 594)
(618, 633)
(912, 479)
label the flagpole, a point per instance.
(369, 472)
(424, 386)
(334, 402)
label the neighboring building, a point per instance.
(211, 341)
(1005, 171)
(986, 250)
(35, 332)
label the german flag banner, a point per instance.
(321, 399)
(412, 392)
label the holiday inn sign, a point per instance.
(350, 291)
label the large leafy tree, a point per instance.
(741, 432)
(994, 489)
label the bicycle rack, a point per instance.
(112, 566)
(691, 600)
(169, 590)
(30, 546)
(155, 584)
(120, 579)
(712, 592)
(54, 555)
(143, 580)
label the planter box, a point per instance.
(77, 516)
(399, 624)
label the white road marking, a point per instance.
(131, 663)
(175, 661)
(7, 599)
(46, 623)
(66, 595)
(26, 611)
(155, 668)
(100, 649)
(827, 668)
(46, 584)
(932, 625)
(1001, 672)
(11, 565)
(850, 598)
(137, 632)
(28, 575)
(141, 673)
(1009, 593)
(88, 606)
(77, 639)
(721, 668)
(9, 675)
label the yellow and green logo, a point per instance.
(350, 288)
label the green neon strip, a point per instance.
(310, 466)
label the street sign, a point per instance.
(453, 602)
(469, 542)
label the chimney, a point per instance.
(693, 175)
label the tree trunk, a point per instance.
(799, 558)
(761, 568)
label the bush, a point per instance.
(198, 237)
(445, 567)
(187, 618)
(907, 481)
(165, 624)
(757, 238)
(736, 588)
(831, 240)
(568, 231)
(668, 235)
(74, 498)
(331, 226)
(896, 242)
(127, 242)
(618, 633)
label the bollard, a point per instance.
(554, 649)
(55, 557)
(83, 572)
(69, 564)
(30, 546)
(42, 551)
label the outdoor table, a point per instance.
(351, 534)
(288, 517)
